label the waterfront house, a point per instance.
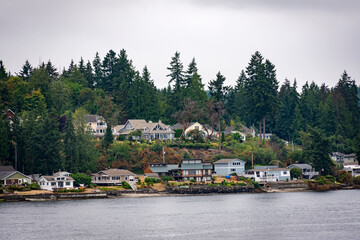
(196, 169)
(149, 130)
(225, 167)
(307, 171)
(58, 180)
(112, 177)
(96, 125)
(268, 174)
(9, 176)
(342, 159)
(354, 170)
(163, 169)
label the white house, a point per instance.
(96, 125)
(112, 177)
(149, 130)
(58, 180)
(225, 167)
(268, 174)
(353, 169)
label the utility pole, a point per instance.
(163, 154)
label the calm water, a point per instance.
(302, 215)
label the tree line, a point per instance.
(50, 103)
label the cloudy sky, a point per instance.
(310, 40)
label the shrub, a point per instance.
(256, 185)
(356, 180)
(150, 180)
(1, 191)
(343, 176)
(126, 185)
(242, 184)
(167, 178)
(81, 178)
(241, 178)
(75, 190)
(295, 172)
(35, 186)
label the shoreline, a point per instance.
(48, 196)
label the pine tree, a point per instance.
(4, 140)
(108, 138)
(51, 70)
(97, 71)
(192, 69)
(26, 71)
(3, 75)
(317, 149)
(217, 89)
(176, 72)
(261, 89)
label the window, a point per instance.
(67, 183)
(258, 174)
(285, 172)
(53, 183)
(233, 170)
(197, 127)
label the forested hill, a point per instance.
(48, 101)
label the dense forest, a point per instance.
(49, 130)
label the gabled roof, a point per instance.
(6, 168)
(229, 160)
(117, 172)
(300, 165)
(53, 178)
(92, 118)
(6, 174)
(270, 169)
(141, 124)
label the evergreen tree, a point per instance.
(3, 75)
(4, 140)
(261, 89)
(26, 71)
(176, 72)
(88, 74)
(108, 138)
(72, 159)
(217, 89)
(192, 69)
(317, 149)
(51, 70)
(97, 71)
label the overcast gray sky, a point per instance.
(310, 40)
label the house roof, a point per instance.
(265, 167)
(6, 174)
(229, 160)
(92, 118)
(300, 165)
(142, 124)
(53, 178)
(153, 175)
(270, 169)
(117, 172)
(6, 168)
(192, 166)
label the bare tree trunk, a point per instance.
(260, 131)
(219, 133)
(264, 126)
(181, 136)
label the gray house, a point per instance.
(307, 170)
(225, 167)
